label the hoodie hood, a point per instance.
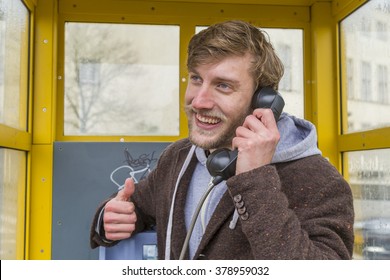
(298, 139)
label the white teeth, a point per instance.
(209, 120)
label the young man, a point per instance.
(285, 200)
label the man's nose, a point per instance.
(203, 98)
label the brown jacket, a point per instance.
(301, 209)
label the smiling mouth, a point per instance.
(208, 120)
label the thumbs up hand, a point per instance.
(119, 214)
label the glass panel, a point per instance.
(288, 44)
(121, 79)
(366, 67)
(14, 32)
(12, 203)
(369, 177)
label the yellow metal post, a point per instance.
(43, 130)
(325, 101)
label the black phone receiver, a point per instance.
(221, 163)
(267, 97)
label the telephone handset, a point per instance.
(221, 163)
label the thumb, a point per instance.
(127, 191)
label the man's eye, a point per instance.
(195, 78)
(224, 86)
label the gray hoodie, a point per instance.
(298, 139)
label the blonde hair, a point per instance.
(237, 38)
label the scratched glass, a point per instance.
(365, 65)
(121, 79)
(12, 203)
(14, 35)
(369, 177)
(288, 44)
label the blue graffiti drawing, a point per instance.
(138, 168)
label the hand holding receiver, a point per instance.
(119, 214)
(222, 162)
(256, 140)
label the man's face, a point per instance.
(218, 99)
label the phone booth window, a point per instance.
(12, 202)
(288, 44)
(365, 54)
(14, 38)
(121, 79)
(369, 178)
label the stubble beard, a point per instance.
(222, 138)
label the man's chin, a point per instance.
(207, 143)
(200, 142)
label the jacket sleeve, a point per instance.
(297, 210)
(97, 230)
(144, 221)
(148, 195)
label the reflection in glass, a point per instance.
(121, 79)
(14, 33)
(369, 177)
(288, 44)
(366, 62)
(12, 182)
